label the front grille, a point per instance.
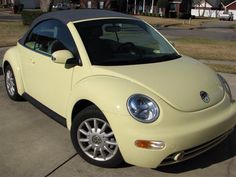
(193, 152)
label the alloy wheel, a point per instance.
(96, 139)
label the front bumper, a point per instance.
(181, 131)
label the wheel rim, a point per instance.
(96, 139)
(10, 83)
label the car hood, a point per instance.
(178, 82)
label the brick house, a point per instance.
(231, 7)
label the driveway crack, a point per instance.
(51, 172)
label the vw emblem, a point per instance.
(205, 96)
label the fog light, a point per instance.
(150, 144)
(178, 156)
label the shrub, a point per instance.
(28, 16)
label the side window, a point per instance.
(50, 36)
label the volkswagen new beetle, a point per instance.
(120, 87)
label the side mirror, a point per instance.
(61, 56)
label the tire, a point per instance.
(10, 84)
(95, 145)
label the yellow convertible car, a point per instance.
(120, 87)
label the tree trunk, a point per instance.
(204, 9)
(152, 4)
(135, 7)
(46, 5)
(144, 7)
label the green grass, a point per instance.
(10, 32)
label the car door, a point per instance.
(46, 81)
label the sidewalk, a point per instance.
(7, 15)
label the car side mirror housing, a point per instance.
(61, 56)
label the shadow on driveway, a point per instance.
(224, 151)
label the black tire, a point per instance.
(88, 114)
(14, 93)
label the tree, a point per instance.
(187, 6)
(163, 3)
(46, 5)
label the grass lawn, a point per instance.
(223, 68)
(184, 23)
(10, 32)
(202, 48)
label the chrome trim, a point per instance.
(225, 86)
(138, 119)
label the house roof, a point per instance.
(213, 3)
(67, 16)
(230, 4)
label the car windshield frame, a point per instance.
(106, 43)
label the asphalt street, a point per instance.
(216, 31)
(8, 16)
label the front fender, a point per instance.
(12, 57)
(109, 93)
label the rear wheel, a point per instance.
(94, 140)
(10, 83)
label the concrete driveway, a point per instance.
(33, 145)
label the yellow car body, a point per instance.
(186, 125)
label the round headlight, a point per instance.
(225, 86)
(143, 108)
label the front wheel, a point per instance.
(10, 83)
(94, 140)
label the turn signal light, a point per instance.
(150, 144)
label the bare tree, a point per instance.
(46, 5)
(204, 8)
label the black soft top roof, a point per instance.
(66, 16)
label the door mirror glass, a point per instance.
(61, 56)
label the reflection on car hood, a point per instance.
(178, 82)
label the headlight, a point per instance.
(143, 108)
(225, 86)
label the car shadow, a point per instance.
(224, 151)
(1, 71)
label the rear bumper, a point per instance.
(181, 131)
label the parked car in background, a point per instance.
(229, 16)
(120, 87)
(61, 6)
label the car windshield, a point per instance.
(123, 42)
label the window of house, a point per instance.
(172, 7)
